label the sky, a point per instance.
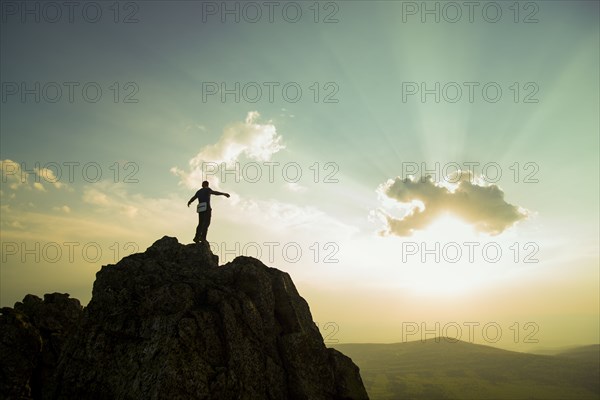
(419, 169)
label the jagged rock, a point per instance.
(170, 323)
(32, 336)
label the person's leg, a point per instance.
(205, 223)
(199, 228)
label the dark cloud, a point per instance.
(482, 206)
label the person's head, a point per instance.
(205, 184)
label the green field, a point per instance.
(431, 370)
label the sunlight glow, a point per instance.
(448, 228)
(442, 265)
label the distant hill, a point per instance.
(443, 369)
(565, 350)
(589, 352)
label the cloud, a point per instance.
(250, 139)
(11, 174)
(422, 201)
(296, 188)
(95, 197)
(49, 176)
(274, 215)
(197, 127)
(117, 203)
(17, 177)
(65, 209)
(101, 211)
(17, 224)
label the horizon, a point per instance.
(427, 174)
(451, 340)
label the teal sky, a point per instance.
(365, 61)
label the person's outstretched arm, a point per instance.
(191, 200)
(220, 193)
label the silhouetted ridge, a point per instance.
(170, 323)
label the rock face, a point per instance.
(32, 336)
(170, 323)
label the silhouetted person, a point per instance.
(204, 210)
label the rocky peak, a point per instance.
(171, 323)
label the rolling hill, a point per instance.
(442, 369)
